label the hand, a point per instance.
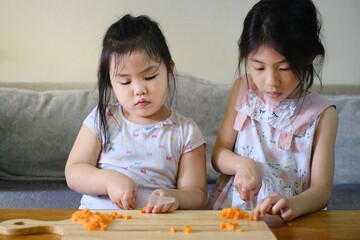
(247, 178)
(274, 204)
(121, 190)
(165, 207)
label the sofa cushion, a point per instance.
(38, 129)
(38, 194)
(347, 148)
(205, 102)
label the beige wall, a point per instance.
(59, 40)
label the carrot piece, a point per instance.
(187, 229)
(128, 217)
(172, 229)
(142, 211)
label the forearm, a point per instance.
(227, 162)
(191, 198)
(311, 200)
(87, 179)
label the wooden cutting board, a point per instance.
(204, 224)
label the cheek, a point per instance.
(121, 95)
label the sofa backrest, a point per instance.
(39, 123)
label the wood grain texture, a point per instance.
(204, 224)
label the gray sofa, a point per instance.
(39, 123)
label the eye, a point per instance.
(125, 83)
(259, 68)
(285, 69)
(152, 77)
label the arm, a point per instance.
(83, 176)
(322, 173)
(224, 160)
(191, 191)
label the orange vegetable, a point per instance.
(228, 226)
(92, 221)
(128, 217)
(142, 211)
(187, 229)
(234, 213)
(173, 230)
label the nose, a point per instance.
(272, 78)
(140, 88)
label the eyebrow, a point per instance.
(149, 68)
(258, 61)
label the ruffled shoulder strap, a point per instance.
(242, 98)
(307, 111)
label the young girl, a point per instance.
(137, 147)
(275, 147)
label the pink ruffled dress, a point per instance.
(279, 137)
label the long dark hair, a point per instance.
(123, 37)
(293, 28)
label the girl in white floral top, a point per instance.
(137, 148)
(275, 147)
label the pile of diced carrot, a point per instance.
(234, 213)
(97, 220)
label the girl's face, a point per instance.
(141, 87)
(272, 74)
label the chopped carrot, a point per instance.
(234, 213)
(92, 221)
(187, 229)
(251, 217)
(128, 217)
(173, 230)
(239, 230)
(142, 211)
(228, 226)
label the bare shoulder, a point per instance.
(330, 117)
(327, 127)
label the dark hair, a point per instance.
(293, 28)
(125, 36)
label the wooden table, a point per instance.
(335, 224)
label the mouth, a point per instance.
(142, 102)
(273, 94)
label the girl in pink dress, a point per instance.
(275, 147)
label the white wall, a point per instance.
(60, 40)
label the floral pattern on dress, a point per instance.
(286, 171)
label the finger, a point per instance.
(148, 209)
(287, 214)
(245, 195)
(279, 206)
(266, 206)
(119, 205)
(237, 184)
(166, 208)
(128, 199)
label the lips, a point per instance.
(273, 94)
(142, 102)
